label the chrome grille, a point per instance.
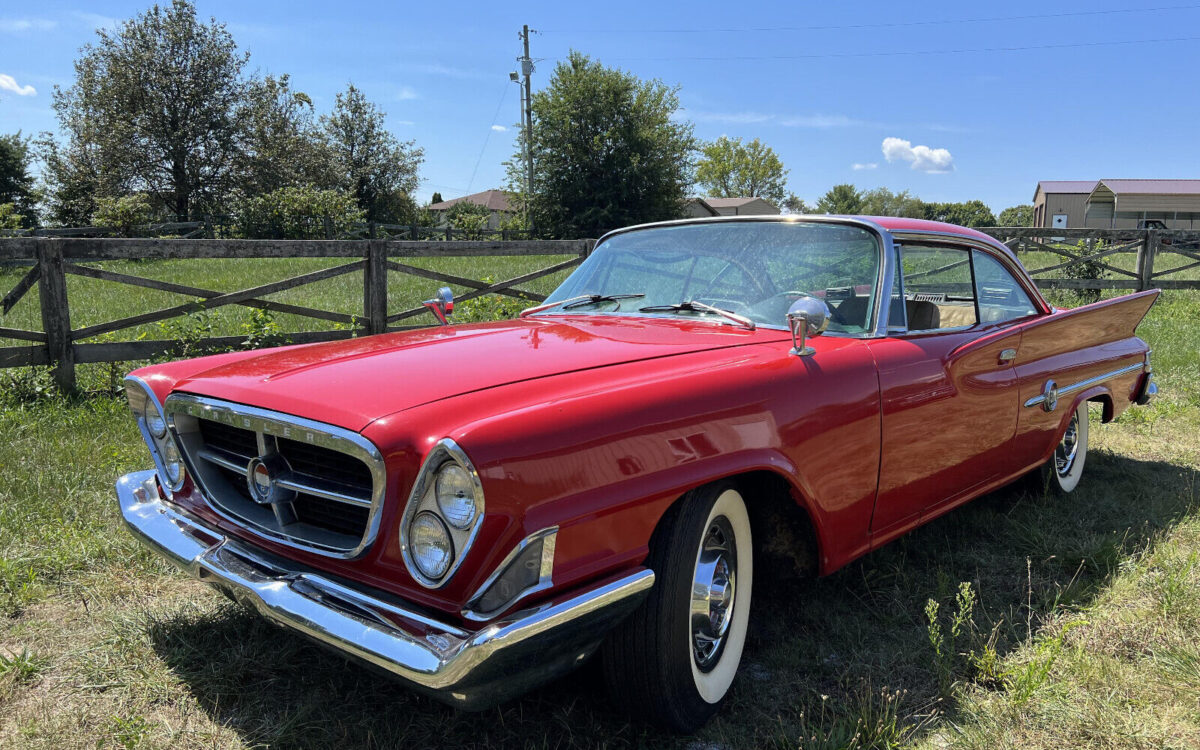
(326, 484)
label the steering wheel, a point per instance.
(833, 313)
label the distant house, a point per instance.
(495, 201)
(1117, 204)
(698, 208)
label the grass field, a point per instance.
(1060, 622)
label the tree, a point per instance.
(298, 213)
(152, 110)
(607, 151)
(16, 183)
(9, 217)
(796, 205)
(437, 197)
(729, 169)
(123, 216)
(841, 199)
(73, 178)
(280, 145)
(883, 202)
(368, 161)
(1016, 216)
(969, 214)
(469, 218)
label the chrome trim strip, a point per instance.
(149, 439)
(215, 457)
(545, 574)
(278, 424)
(1066, 389)
(445, 450)
(286, 482)
(460, 667)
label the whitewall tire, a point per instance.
(1061, 474)
(673, 661)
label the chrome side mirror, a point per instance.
(808, 316)
(441, 305)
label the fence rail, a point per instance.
(317, 228)
(1089, 258)
(60, 346)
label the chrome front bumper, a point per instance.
(468, 669)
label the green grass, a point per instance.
(1082, 628)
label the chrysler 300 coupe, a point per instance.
(480, 508)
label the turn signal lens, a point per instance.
(456, 495)
(430, 544)
(155, 422)
(171, 462)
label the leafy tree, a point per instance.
(10, 218)
(16, 182)
(298, 213)
(280, 144)
(968, 214)
(469, 218)
(606, 149)
(1016, 216)
(368, 161)
(796, 205)
(72, 175)
(152, 110)
(124, 215)
(437, 197)
(731, 169)
(841, 199)
(883, 202)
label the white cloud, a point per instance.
(17, 25)
(821, 121)
(406, 93)
(499, 128)
(737, 118)
(922, 158)
(8, 83)
(96, 20)
(859, 166)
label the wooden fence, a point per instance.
(224, 227)
(58, 345)
(1162, 259)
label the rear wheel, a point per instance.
(1061, 474)
(673, 661)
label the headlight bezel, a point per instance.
(423, 498)
(142, 400)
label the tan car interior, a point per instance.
(922, 315)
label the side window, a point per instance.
(1000, 297)
(938, 289)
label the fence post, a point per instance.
(1145, 265)
(56, 315)
(416, 233)
(375, 287)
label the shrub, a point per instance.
(1089, 267)
(297, 213)
(122, 216)
(9, 218)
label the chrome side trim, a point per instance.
(149, 439)
(469, 669)
(445, 450)
(1066, 389)
(181, 407)
(549, 537)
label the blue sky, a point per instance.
(961, 112)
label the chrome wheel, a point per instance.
(1068, 447)
(714, 589)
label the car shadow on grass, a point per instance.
(824, 659)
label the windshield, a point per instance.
(755, 269)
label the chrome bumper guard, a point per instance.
(1147, 390)
(469, 669)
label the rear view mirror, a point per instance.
(808, 316)
(441, 305)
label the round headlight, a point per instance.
(456, 495)
(429, 540)
(155, 422)
(172, 462)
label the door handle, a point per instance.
(1007, 355)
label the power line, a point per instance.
(883, 25)
(487, 138)
(909, 53)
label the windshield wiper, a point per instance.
(694, 306)
(583, 299)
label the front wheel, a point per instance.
(1061, 474)
(674, 659)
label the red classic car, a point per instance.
(480, 508)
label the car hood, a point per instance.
(351, 383)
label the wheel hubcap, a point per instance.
(714, 589)
(1068, 447)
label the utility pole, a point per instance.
(527, 116)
